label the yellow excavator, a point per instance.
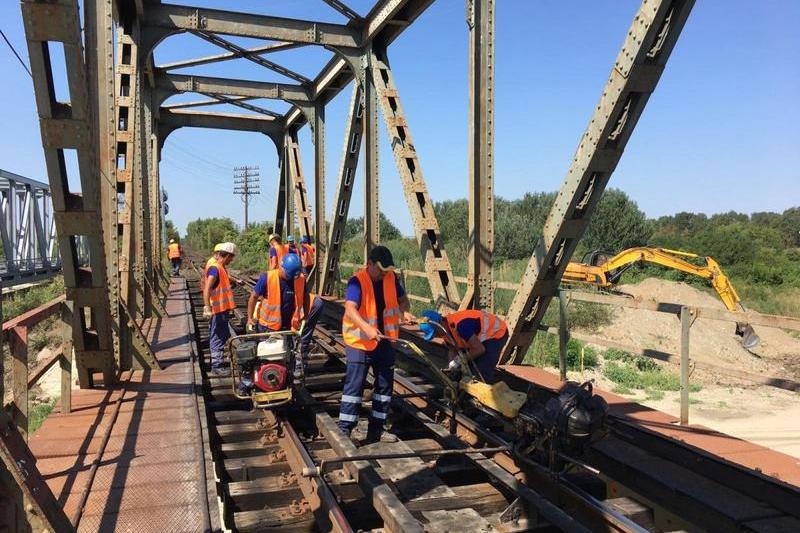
(604, 270)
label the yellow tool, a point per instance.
(497, 396)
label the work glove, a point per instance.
(207, 314)
(454, 365)
(251, 327)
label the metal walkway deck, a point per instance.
(155, 472)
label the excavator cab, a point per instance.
(597, 257)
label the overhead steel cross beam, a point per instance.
(218, 58)
(638, 67)
(343, 9)
(171, 120)
(257, 59)
(211, 101)
(222, 99)
(169, 84)
(163, 20)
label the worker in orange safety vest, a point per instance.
(218, 302)
(174, 254)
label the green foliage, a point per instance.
(354, 227)
(38, 413)
(172, 231)
(203, 233)
(24, 300)
(544, 352)
(617, 224)
(631, 371)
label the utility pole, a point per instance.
(246, 184)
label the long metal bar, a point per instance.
(480, 288)
(426, 227)
(169, 84)
(218, 58)
(255, 58)
(280, 195)
(372, 234)
(298, 181)
(686, 327)
(165, 19)
(342, 8)
(638, 67)
(319, 193)
(344, 190)
(214, 100)
(239, 102)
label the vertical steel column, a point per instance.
(130, 174)
(280, 196)
(289, 184)
(372, 231)
(638, 67)
(563, 335)
(80, 124)
(437, 264)
(480, 285)
(319, 193)
(344, 190)
(686, 326)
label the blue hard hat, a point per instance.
(304, 240)
(291, 265)
(429, 330)
(290, 238)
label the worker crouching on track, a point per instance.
(375, 306)
(174, 254)
(285, 303)
(218, 302)
(479, 334)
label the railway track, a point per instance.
(450, 473)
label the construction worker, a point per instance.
(218, 302)
(375, 306)
(285, 303)
(480, 335)
(276, 251)
(174, 253)
(307, 253)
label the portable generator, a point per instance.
(261, 367)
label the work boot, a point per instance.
(383, 436)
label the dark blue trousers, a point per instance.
(358, 363)
(308, 330)
(218, 334)
(487, 363)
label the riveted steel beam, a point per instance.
(637, 69)
(319, 193)
(213, 100)
(170, 120)
(239, 103)
(298, 181)
(437, 265)
(170, 84)
(218, 58)
(344, 191)
(372, 230)
(480, 289)
(342, 8)
(163, 20)
(280, 194)
(255, 58)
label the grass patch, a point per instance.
(544, 352)
(24, 300)
(38, 413)
(636, 372)
(692, 401)
(621, 389)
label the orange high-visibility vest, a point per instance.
(280, 251)
(492, 326)
(221, 297)
(174, 251)
(269, 313)
(308, 255)
(353, 336)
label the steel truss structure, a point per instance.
(28, 231)
(117, 121)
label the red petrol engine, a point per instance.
(271, 377)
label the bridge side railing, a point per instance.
(16, 336)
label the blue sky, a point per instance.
(720, 133)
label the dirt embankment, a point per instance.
(711, 341)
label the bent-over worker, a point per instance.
(479, 334)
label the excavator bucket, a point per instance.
(749, 337)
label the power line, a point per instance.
(246, 184)
(21, 62)
(223, 166)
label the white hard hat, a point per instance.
(227, 247)
(172, 241)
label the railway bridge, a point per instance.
(152, 441)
